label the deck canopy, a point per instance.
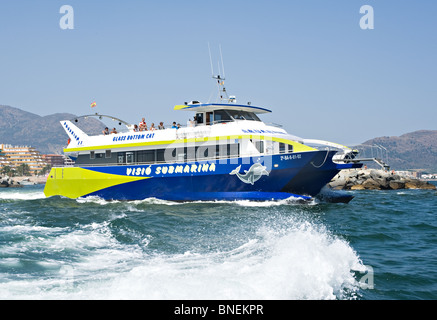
(207, 107)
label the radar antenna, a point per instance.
(222, 93)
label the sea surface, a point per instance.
(382, 245)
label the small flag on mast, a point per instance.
(93, 104)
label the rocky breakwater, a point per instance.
(372, 179)
(7, 182)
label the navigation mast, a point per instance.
(222, 93)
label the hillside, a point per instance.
(18, 127)
(415, 150)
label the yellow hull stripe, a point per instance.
(75, 182)
(297, 147)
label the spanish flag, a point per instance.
(93, 104)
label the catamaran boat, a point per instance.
(225, 153)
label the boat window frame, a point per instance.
(221, 112)
(146, 156)
(121, 156)
(259, 145)
(282, 148)
(181, 154)
(199, 117)
(244, 115)
(130, 153)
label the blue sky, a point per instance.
(307, 60)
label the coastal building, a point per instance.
(429, 176)
(57, 160)
(3, 160)
(54, 160)
(405, 173)
(68, 161)
(14, 156)
(417, 174)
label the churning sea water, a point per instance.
(382, 245)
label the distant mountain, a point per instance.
(22, 128)
(414, 150)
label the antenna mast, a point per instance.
(222, 93)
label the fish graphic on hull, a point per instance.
(255, 172)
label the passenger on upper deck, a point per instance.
(113, 130)
(174, 125)
(142, 126)
(106, 131)
(192, 123)
(161, 126)
(135, 128)
(152, 127)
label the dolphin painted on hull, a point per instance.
(255, 172)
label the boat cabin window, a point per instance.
(233, 149)
(146, 156)
(130, 157)
(201, 152)
(281, 147)
(209, 118)
(120, 157)
(181, 154)
(221, 116)
(244, 115)
(225, 150)
(199, 118)
(160, 155)
(259, 145)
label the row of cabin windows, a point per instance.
(94, 155)
(181, 154)
(184, 153)
(220, 116)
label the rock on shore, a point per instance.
(371, 179)
(8, 182)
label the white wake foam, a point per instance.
(303, 263)
(244, 203)
(295, 260)
(21, 195)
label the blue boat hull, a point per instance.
(297, 175)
